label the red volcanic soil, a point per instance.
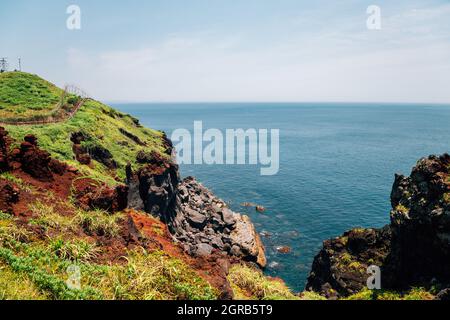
(60, 184)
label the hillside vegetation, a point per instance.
(24, 95)
(45, 229)
(103, 127)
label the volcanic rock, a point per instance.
(9, 195)
(413, 251)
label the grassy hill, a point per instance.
(44, 231)
(24, 95)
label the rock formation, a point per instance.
(414, 250)
(33, 160)
(4, 147)
(9, 195)
(201, 222)
(420, 223)
(93, 196)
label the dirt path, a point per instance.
(67, 117)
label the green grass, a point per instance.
(76, 250)
(14, 286)
(413, 294)
(25, 95)
(99, 222)
(151, 276)
(447, 197)
(38, 269)
(155, 276)
(250, 283)
(17, 181)
(46, 217)
(101, 124)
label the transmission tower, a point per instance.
(3, 64)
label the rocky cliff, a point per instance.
(200, 221)
(412, 251)
(103, 192)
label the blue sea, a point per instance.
(337, 166)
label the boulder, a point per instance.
(203, 250)
(196, 219)
(245, 237)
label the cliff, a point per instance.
(413, 251)
(96, 190)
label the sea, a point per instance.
(337, 166)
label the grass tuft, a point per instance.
(250, 283)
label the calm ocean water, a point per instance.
(337, 166)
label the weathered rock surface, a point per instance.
(84, 155)
(201, 222)
(420, 223)
(34, 161)
(4, 148)
(204, 222)
(413, 251)
(92, 196)
(340, 269)
(9, 195)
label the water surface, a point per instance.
(337, 166)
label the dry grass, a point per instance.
(250, 283)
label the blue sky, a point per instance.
(236, 50)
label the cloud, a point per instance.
(407, 61)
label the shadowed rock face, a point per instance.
(420, 223)
(340, 269)
(4, 147)
(196, 218)
(414, 250)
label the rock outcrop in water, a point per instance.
(201, 222)
(413, 251)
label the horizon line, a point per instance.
(274, 102)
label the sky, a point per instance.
(235, 50)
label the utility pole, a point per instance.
(3, 64)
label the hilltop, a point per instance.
(99, 192)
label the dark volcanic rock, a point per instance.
(131, 136)
(102, 197)
(195, 217)
(413, 251)
(102, 155)
(444, 295)
(32, 160)
(420, 223)
(9, 195)
(84, 154)
(340, 269)
(4, 150)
